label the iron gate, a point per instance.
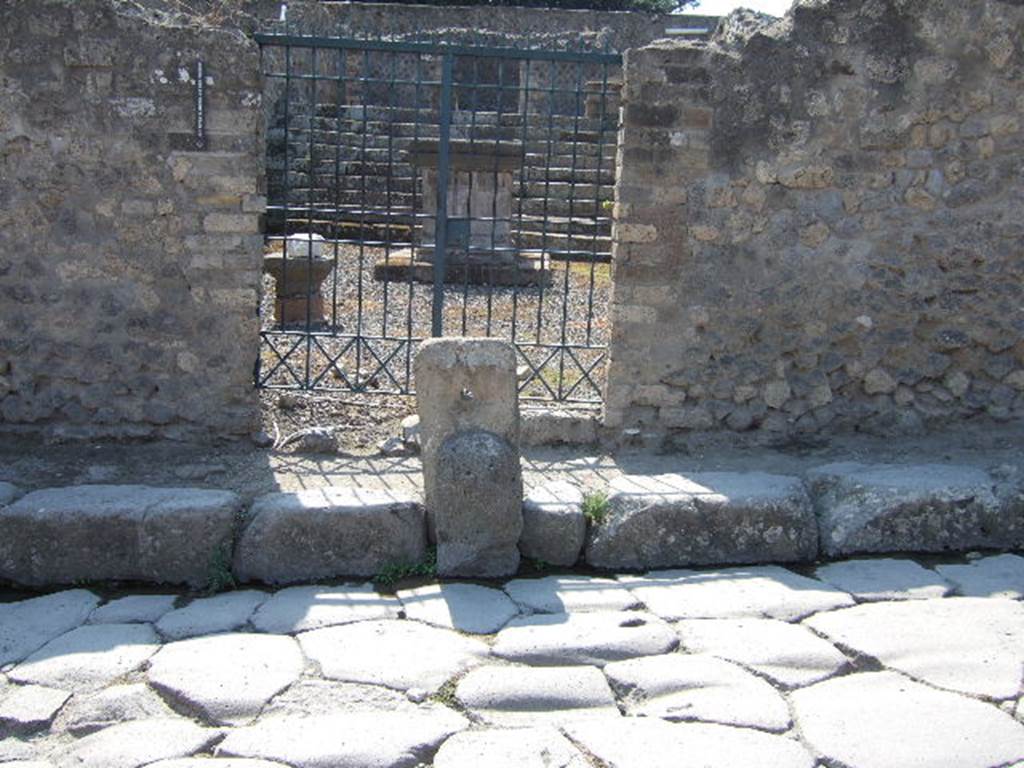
(421, 189)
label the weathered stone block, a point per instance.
(328, 532)
(662, 521)
(8, 493)
(100, 532)
(911, 508)
(547, 426)
(554, 527)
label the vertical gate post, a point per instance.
(441, 225)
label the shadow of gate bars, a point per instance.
(420, 189)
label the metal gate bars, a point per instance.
(424, 189)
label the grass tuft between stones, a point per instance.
(394, 573)
(596, 507)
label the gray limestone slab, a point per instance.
(115, 532)
(14, 749)
(714, 518)
(910, 508)
(29, 764)
(142, 609)
(993, 576)
(701, 687)
(541, 747)
(310, 696)
(28, 625)
(353, 740)
(465, 607)
(570, 594)
(757, 591)
(299, 609)
(397, 654)
(89, 657)
(510, 695)
(884, 579)
(226, 678)
(649, 743)
(559, 639)
(209, 615)
(116, 704)
(134, 744)
(323, 533)
(201, 762)
(28, 708)
(8, 493)
(882, 719)
(554, 528)
(788, 654)
(966, 644)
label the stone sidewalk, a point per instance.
(871, 663)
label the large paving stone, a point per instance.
(465, 607)
(227, 679)
(715, 518)
(570, 594)
(647, 743)
(88, 657)
(29, 708)
(323, 533)
(8, 493)
(881, 719)
(995, 576)
(961, 643)
(14, 750)
(116, 704)
(542, 747)
(310, 696)
(398, 654)
(767, 591)
(141, 609)
(884, 579)
(508, 695)
(355, 740)
(583, 638)
(298, 609)
(131, 745)
(910, 508)
(682, 687)
(28, 625)
(200, 762)
(209, 615)
(115, 532)
(788, 654)
(554, 528)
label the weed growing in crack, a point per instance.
(219, 577)
(392, 574)
(595, 507)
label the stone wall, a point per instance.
(820, 223)
(129, 261)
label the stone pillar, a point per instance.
(466, 395)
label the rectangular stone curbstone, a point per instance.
(115, 532)
(325, 533)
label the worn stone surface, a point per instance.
(88, 657)
(994, 576)
(549, 426)
(298, 609)
(8, 493)
(127, 532)
(554, 528)
(565, 594)
(226, 679)
(705, 519)
(762, 591)
(517, 696)
(961, 643)
(329, 532)
(542, 747)
(310, 697)
(398, 654)
(198, 762)
(208, 615)
(648, 743)
(29, 708)
(906, 723)
(465, 607)
(13, 750)
(356, 740)
(585, 638)
(130, 745)
(884, 579)
(910, 508)
(681, 687)
(142, 609)
(28, 625)
(787, 654)
(113, 705)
